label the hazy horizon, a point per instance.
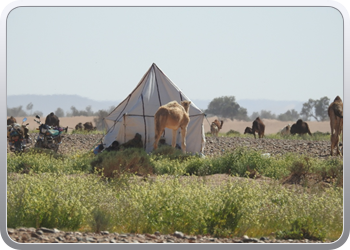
(49, 103)
(273, 53)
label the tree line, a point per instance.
(100, 114)
(224, 107)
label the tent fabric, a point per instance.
(136, 114)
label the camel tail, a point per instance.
(158, 120)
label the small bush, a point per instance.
(198, 166)
(303, 228)
(298, 171)
(233, 132)
(331, 170)
(115, 163)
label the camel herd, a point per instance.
(175, 116)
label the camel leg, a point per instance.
(342, 141)
(335, 143)
(332, 145)
(173, 143)
(337, 132)
(157, 137)
(183, 135)
(338, 149)
(159, 127)
(331, 123)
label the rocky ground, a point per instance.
(46, 235)
(214, 146)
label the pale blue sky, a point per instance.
(277, 53)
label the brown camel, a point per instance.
(335, 113)
(215, 127)
(79, 126)
(173, 116)
(258, 126)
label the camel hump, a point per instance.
(337, 99)
(300, 121)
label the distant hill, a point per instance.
(276, 107)
(49, 103)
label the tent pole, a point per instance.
(124, 126)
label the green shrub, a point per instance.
(166, 204)
(48, 161)
(198, 166)
(223, 221)
(101, 219)
(170, 153)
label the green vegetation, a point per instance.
(316, 136)
(173, 193)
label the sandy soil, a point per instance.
(64, 121)
(271, 126)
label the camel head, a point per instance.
(248, 130)
(186, 105)
(222, 122)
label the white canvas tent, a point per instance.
(136, 114)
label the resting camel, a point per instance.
(215, 127)
(88, 126)
(79, 126)
(173, 116)
(300, 127)
(335, 113)
(285, 130)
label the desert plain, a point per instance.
(271, 126)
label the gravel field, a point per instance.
(46, 235)
(214, 146)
